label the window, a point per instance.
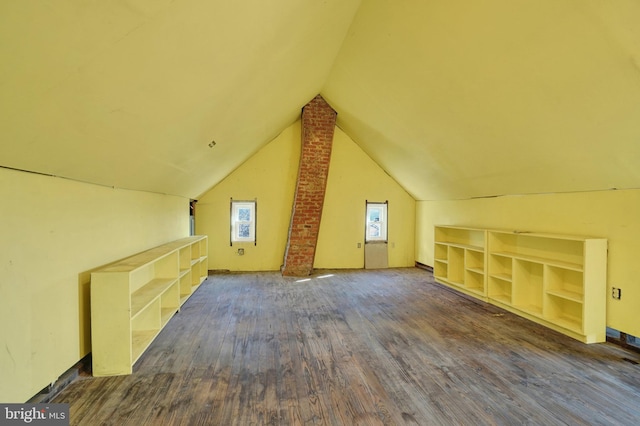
(376, 222)
(243, 221)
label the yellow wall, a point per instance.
(270, 176)
(54, 231)
(609, 214)
(355, 178)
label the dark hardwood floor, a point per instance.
(387, 347)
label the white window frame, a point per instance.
(239, 223)
(380, 223)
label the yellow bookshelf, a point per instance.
(134, 298)
(558, 281)
(460, 259)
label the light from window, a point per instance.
(376, 222)
(243, 221)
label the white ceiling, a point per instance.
(454, 99)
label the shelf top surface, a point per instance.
(545, 235)
(464, 228)
(523, 233)
(144, 258)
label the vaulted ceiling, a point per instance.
(454, 99)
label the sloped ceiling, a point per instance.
(460, 99)
(131, 93)
(454, 99)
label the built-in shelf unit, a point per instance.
(134, 298)
(460, 259)
(556, 280)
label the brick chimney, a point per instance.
(318, 124)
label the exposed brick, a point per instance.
(318, 124)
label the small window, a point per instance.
(376, 222)
(243, 221)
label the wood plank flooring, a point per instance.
(384, 347)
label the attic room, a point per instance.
(118, 117)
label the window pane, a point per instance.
(244, 230)
(244, 214)
(374, 230)
(243, 221)
(376, 222)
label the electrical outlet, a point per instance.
(240, 251)
(616, 293)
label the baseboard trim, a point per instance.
(48, 393)
(423, 266)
